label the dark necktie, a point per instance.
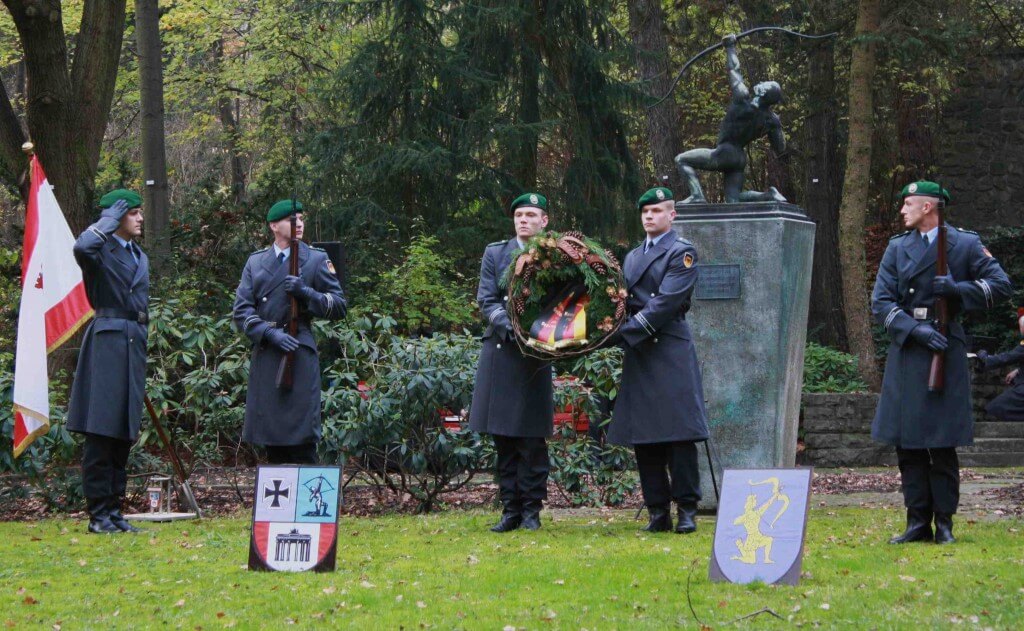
(647, 246)
(132, 249)
(280, 258)
(924, 237)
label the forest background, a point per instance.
(406, 127)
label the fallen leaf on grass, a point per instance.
(549, 615)
(30, 601)
(330, 590)
(180, 603)
(81, 563)
(367, 584)
(421, 604)
(220, 614)
(909, 579)
(826, 606)
(560, 582)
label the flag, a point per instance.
(53, 306)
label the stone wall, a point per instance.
(981, 156)
(836, 430)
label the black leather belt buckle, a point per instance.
(143, 317)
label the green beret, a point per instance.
(656, 195)
(926, 188)
(283, 209)
(529, 199)
(133, 199)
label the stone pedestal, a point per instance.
(749, 321)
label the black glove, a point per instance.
(945, 286)
(979, 361)
(295, 286)
(116, 211)
(925, 335)
(281, 340)
(982, 356)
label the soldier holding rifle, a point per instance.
(274, 308)
(926, 413)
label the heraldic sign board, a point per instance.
(762, 522)
(295, 518)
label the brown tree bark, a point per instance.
(822, 196)
(855, 187)
(647, 30)
(520, 153)
(12, 135)
(154, 157)
(229, 120)
(67, 106)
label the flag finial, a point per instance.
(28, 148)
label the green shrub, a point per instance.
(830, 370)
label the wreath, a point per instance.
(566, 295)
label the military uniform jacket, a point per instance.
(110, 381)
(513, 393)
(275, 416)
(661, 398)
(909, 416)
(1008, 406)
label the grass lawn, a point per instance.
(446, 571)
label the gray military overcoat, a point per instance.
(908, 415)
(1009, 405)
(275, 416)
(661, 398)
(513, 394)
(110, 381)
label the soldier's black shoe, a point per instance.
(531, 519)
(661, 520)
(118, 519)
(944, 528)
(919, 528)
(687, 519)
(508, 523)
(99, 517)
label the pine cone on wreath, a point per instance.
(620, 310)
(519, 305)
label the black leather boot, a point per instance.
(919, 527)
(508, 523)
(687, 519)
(531, 515)
(661, 519)
(99, 517)
(944, 528)
(116, 518)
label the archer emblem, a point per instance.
(316, 489)
(751, 522)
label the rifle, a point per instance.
(186, 490)
(286, 369)
(936, 374)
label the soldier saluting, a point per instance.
(110, 381)
(285, 420)
(926, 426)
(513, 398)
(660, 407)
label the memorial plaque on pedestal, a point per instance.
(295, 518)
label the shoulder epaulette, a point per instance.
(967, 231)
(259, 251)
(313, 247)
(902, 234)
(491, 245)
(684, 241)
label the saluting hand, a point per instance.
(281, 340)
(116, 210)
(945, 286)
(925, 335)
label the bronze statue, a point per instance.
(747, 119)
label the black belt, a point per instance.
(920, 313)
(123, 314)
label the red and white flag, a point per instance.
(53, 307)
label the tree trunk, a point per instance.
(154, 159)
(226, 108)
(647, 30)
(67, 110)
(12, 136)
(822, 197)
(520, 156)
(855, 187)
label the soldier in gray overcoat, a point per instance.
(285, 421)
(110, 380)
(512, 397)
(1009, 405)
(660, 408)
(927, 427)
